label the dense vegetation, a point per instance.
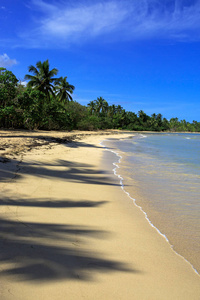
(46, 103)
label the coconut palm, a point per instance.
(119, 109)
(111, 110)
(101, 105)
(64, 90)
(92, 107)
(42, 79)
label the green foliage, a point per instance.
(64, 90)
(75, 113)
(46, 103)
(181, 126)
(32, 103)
(42, 80)
(8, 84)
(100, 106)
(117, 118)
(10, 117)
(89, 123)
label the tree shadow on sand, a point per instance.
(47, 203)
(41, 252)
(60, 169)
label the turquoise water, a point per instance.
(162, 173)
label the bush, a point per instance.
(89, 123)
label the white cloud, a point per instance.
(6, 61)
(129, 19)
(78, 23)
(166, 19)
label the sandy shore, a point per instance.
(68, 231)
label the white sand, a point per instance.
(68, 231)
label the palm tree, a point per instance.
(142, 116)
(64, 90)
(111, 110)
(91, 107)
(102, 105)
(119, 109)
(42, 79)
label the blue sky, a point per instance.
(141, 54)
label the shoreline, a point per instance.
(121, 180)
(69, 230)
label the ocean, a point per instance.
(161, 173)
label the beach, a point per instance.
(69, 231)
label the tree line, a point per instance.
(46, 103)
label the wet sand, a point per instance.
(68, 231)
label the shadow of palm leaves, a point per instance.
(37, 251)
(60, 169)
(48, 203)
